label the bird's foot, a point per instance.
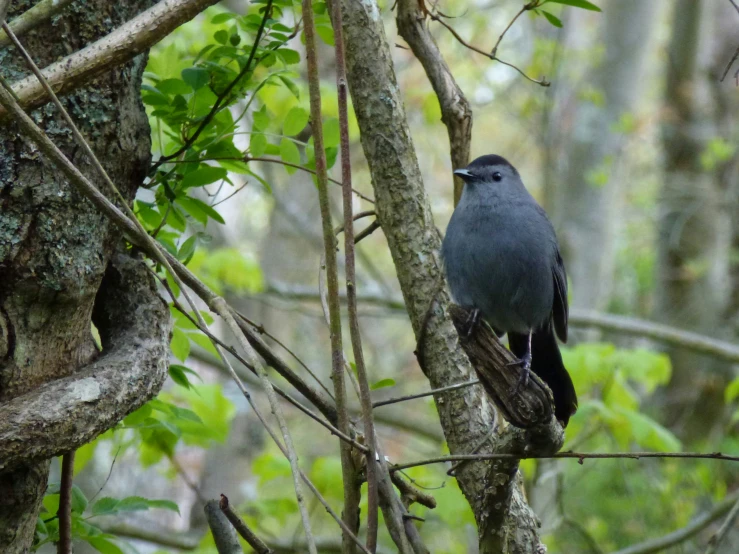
(523, 380)
(473, 320)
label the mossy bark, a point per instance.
(54, 245)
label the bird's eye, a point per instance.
(497, 176)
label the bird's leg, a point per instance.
(525, 363)
(472, 321)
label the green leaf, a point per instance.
(204, 175)
(133, 504)
(200, 210)
(180, 344)
(327, 33)
(83, 455)
(103, 545)
(382, 383)
(222, 18)
(178, 376)
(584, 4)
(174, 87)
(257, 145)
(732, 391)
(554, 20)
(196, 77)
(295, 121)
(79, 500)
(164, 505)
(261, 119)
(291, 86)
(289, 153)
(187, 249)
(331, 136)
(288, 56)
(221, 36)
(105, 506)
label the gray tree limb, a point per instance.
(505, 522)
(62, 415)
(456, 112)
(39, 13)
(123, 44)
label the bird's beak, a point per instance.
(463, 173)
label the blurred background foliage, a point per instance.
(633, 152)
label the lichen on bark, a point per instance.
(54, 245)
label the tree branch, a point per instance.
(504, 520)
(63, 415)
(350, 269)
(585, 319)
(247, 534)
(39, 13)
(224, 535)
(676, 537)
(64, 512)
(579, 456)
(456, 112)
(123, 44)
(349, 475)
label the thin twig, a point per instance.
(351, 491)
(715, 541)
(367, 231)
(242, 529)
(423, 394)
(652, 546)
(543, 82)
(303, 168)
(38, 14)
(223, 95)
(526, 7)
(579, 456)
(224, 535)
(64, 513)
(351, 292)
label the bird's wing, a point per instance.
(560, 309)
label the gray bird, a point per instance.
(502, 261)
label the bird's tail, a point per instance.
(546, 362)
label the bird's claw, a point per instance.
(472, 321)
(523, 380)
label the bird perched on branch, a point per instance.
(502, 262)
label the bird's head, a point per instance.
(488, 175)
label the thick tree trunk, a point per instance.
(54, 245)
(694, 240)
(586, 210)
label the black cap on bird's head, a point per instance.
(487, 168)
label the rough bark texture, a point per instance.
(54, 246)
(505, 522)
(66, 413)
(586, 213)
(456, 112)
(694, 227)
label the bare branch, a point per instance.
(224, 535)
(578, 318)
(715, 540)
(351, 490)
(64, 512)
(456, 112)
(38, 14)
(350, 268)
(676, 537)
(579, 456)
(247, 534)
(424, 394)
(123, 44)
(303, 168)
